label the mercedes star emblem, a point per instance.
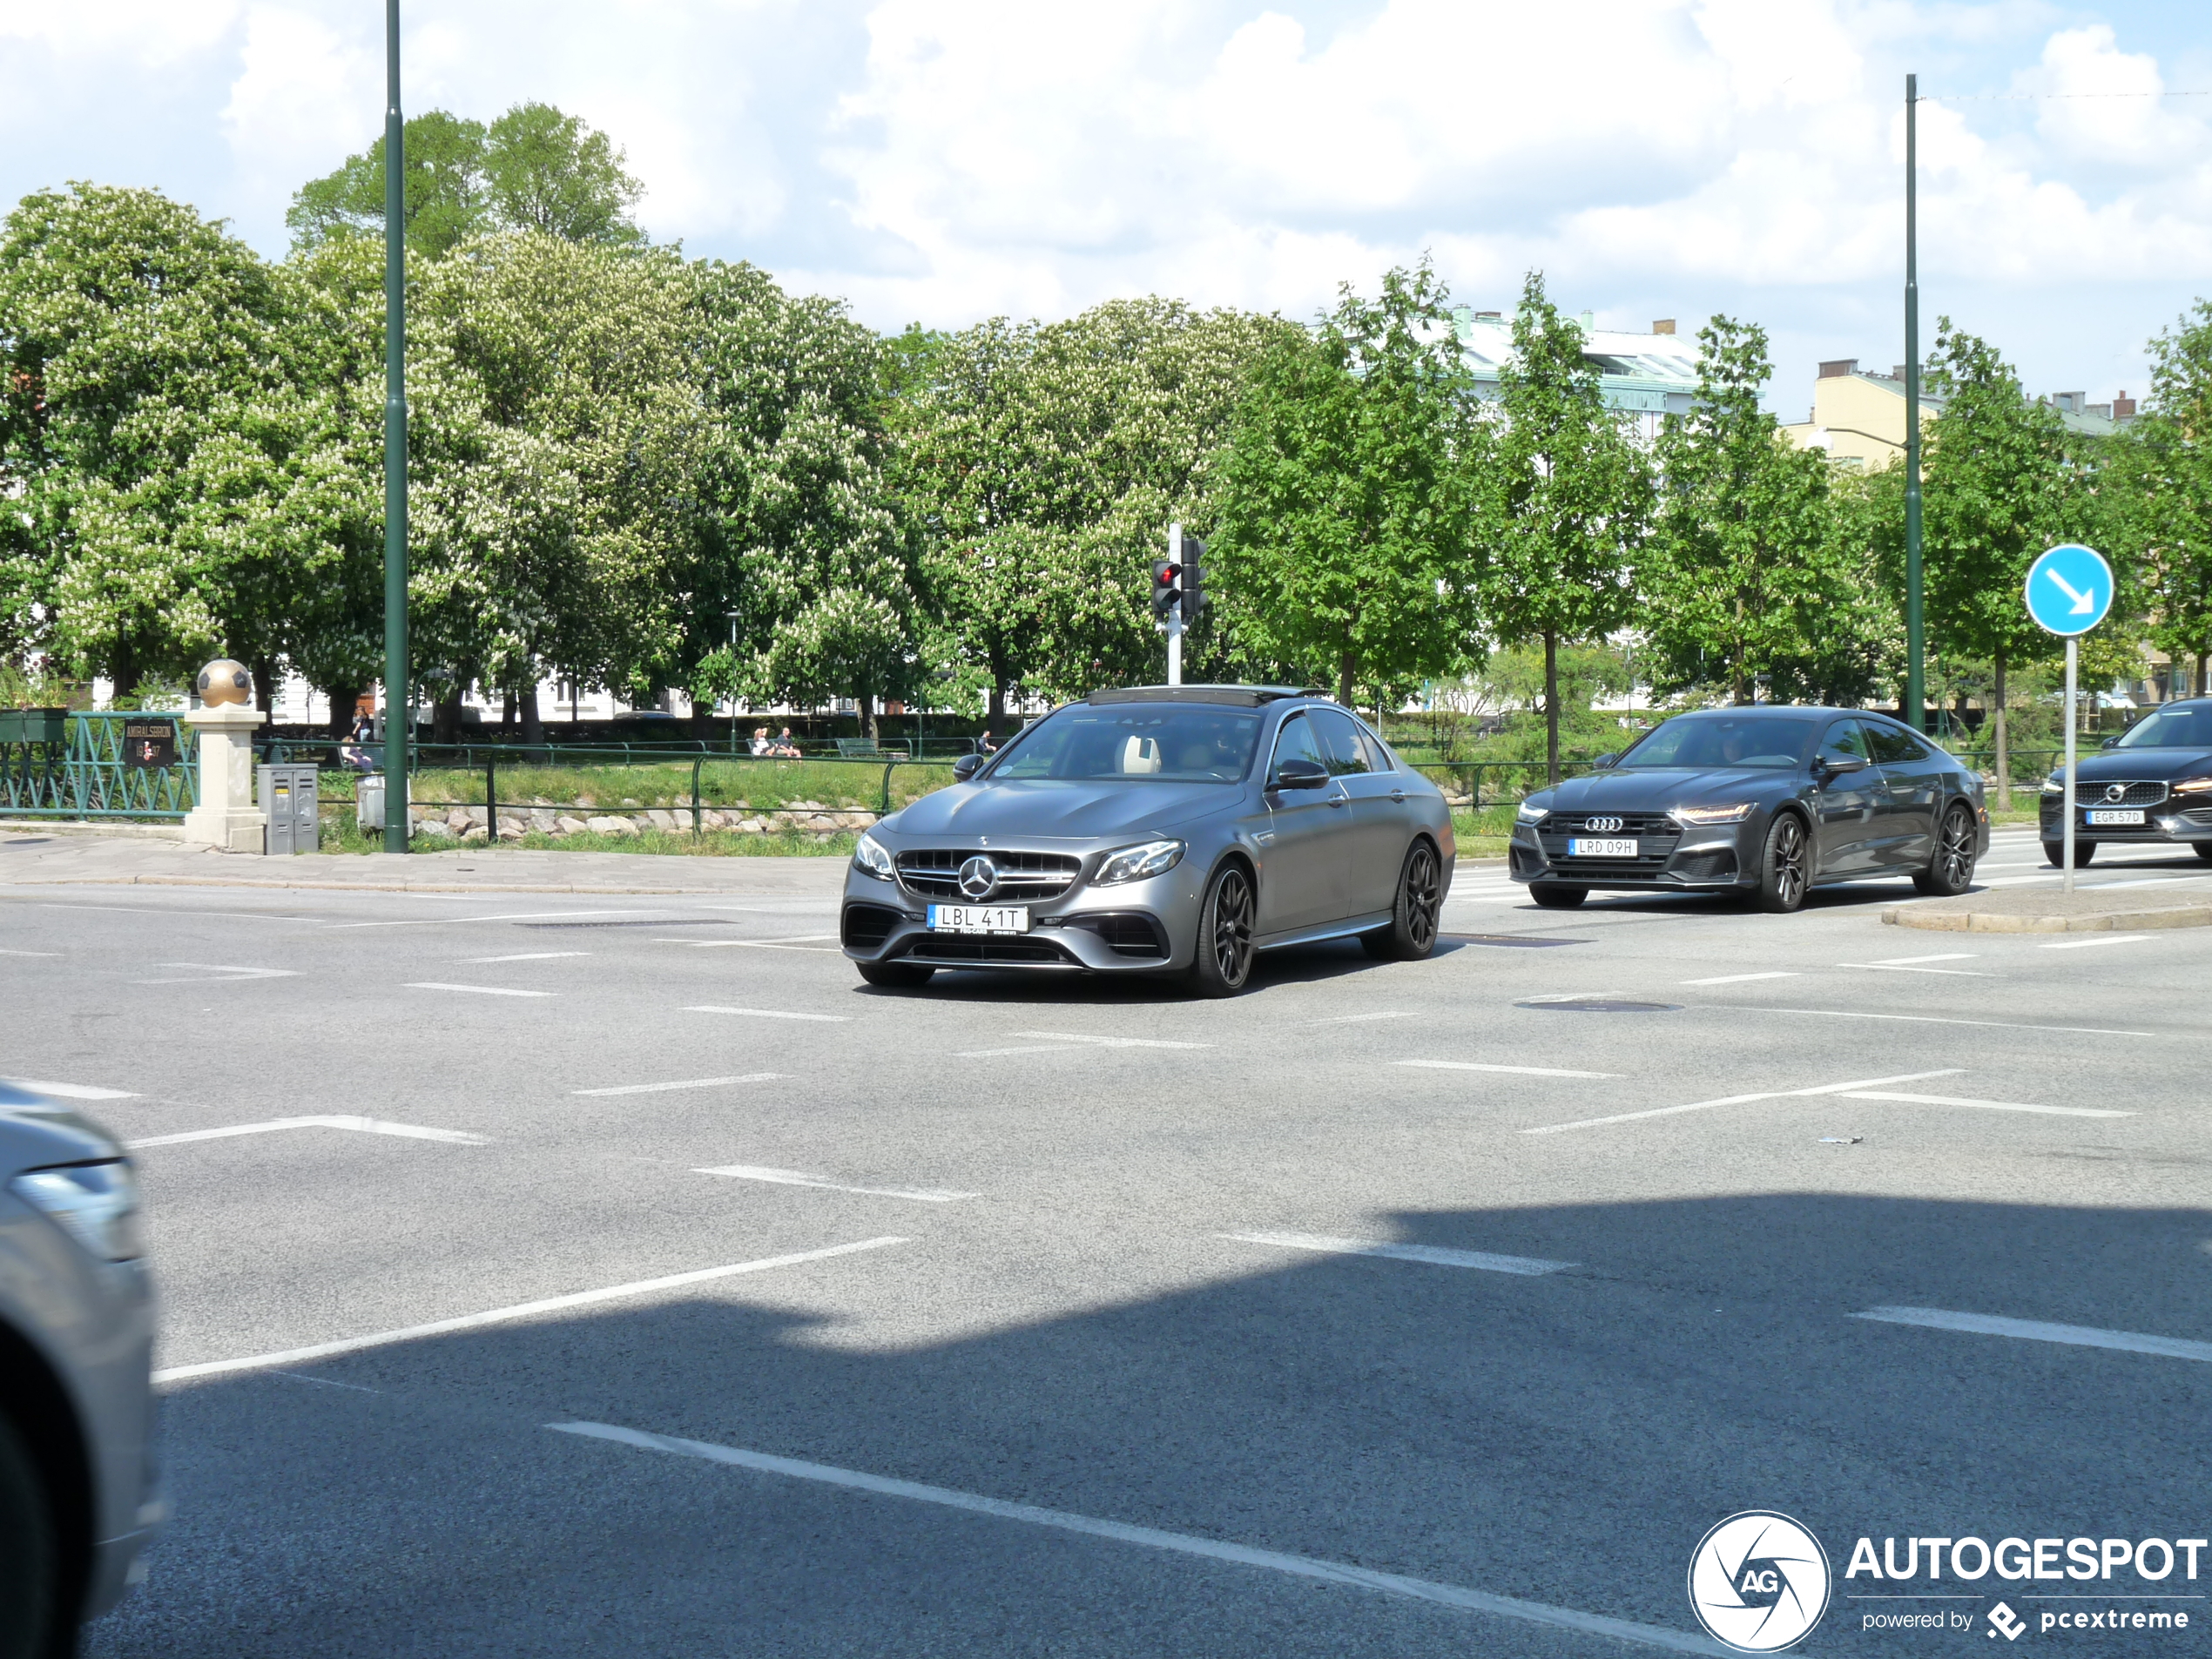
(978, 877)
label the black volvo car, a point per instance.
(1768, 802)
(2152, 784)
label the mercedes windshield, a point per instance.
(1136, 742)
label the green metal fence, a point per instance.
(57, 763)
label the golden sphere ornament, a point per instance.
(224, 681)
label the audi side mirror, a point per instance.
(966, 767)
(1301, 773)
(1838, 765)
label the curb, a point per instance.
(1984, 921)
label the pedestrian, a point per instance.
(786, 746)
(986, 744)
(760, 744)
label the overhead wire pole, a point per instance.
(399, 711)
(1915, 645)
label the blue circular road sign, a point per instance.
(2069, 590)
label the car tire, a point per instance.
(2083, 851)
(1411, 933)
(2203, 850)
(1553, 896)
(1950, 866)
(1223, 963)
(1785, 866)
(895, 976)
(34, 1625)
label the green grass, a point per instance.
(755, 785)
(343, 836)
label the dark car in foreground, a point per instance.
(2152, 783)
(1767, 802)
(1159, 830)
(77, 1499)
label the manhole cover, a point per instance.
(1598, 1005)
(1510, 942)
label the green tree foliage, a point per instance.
(2000, 488)
(1569, 499)
(2156, 492)
(1349, 493)
(175, 456)
(1742, 577)
(533, 169)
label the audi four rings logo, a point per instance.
(1603, 825)
(1759, 1581)
(978, 877)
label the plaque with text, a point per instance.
(149, 744)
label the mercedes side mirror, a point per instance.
(1301, 773)
(967, 767)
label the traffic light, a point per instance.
(1167, 588)
(1194, 592)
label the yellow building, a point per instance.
(1859, 418)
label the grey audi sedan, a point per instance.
(1160, 830)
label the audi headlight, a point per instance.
(1530, 814)
(1135, 863)
(1734, 815)
(871, 857)
(2193, 786)
(95, 1204)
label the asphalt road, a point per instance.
(1072, 1259)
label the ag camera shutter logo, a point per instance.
(1759, 1581)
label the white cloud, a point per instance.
(296, 107)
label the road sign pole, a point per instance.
(399, 709)
(2073, 658)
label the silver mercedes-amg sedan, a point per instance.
(1158, 830)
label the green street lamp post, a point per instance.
(1915, 643)
(399, 713)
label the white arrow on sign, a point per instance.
(2083, 603)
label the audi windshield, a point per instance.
(1705, 742)
(1136, 743)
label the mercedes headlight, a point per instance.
(1531, 813)
(1734, 815)
(871, 857)
(1135, 863)
(2193, 786)
(95, 1204)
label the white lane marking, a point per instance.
(359, 1125)
(526, 956)
(768, 1014)
(749, 944)
(1525, 1071)
(202, 970)
(1739, 1099)
(504, 915)
(325, 1382)
(1110, 1042)
(479, 990)
(1354, 1019)
(1986, 1105)
(1907, 962)
(500, 1316)
(1433, 1255)
(1738, 979)
(1936, 1019)
(2078, 1335)
(798, 1178)
(1306, 1567)
(1899, 968)
(68, 1091)
(2094, 941)
(148, 910)
(29, 952)
(1035, 1047)
(694, 1082)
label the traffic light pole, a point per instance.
(399, 702)
(1915, 673)
(1175, 614)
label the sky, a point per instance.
(948, 160)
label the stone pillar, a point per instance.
(226, 817)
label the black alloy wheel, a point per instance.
(2083, 851)
(1224, 958)
(2203, 850)
(33, 1624)
(1784, 872)
(1411, 933)
(895, 976)
(1950, 866)
(1552, 896)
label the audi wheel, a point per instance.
(1784, 867)
(1951, 868)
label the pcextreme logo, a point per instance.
(1759, 1581)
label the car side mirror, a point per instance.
(1603, 762)
(967, 767)
(1838, 765)
(2109, 743)
(1299, 772)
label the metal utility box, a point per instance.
(288, 804)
